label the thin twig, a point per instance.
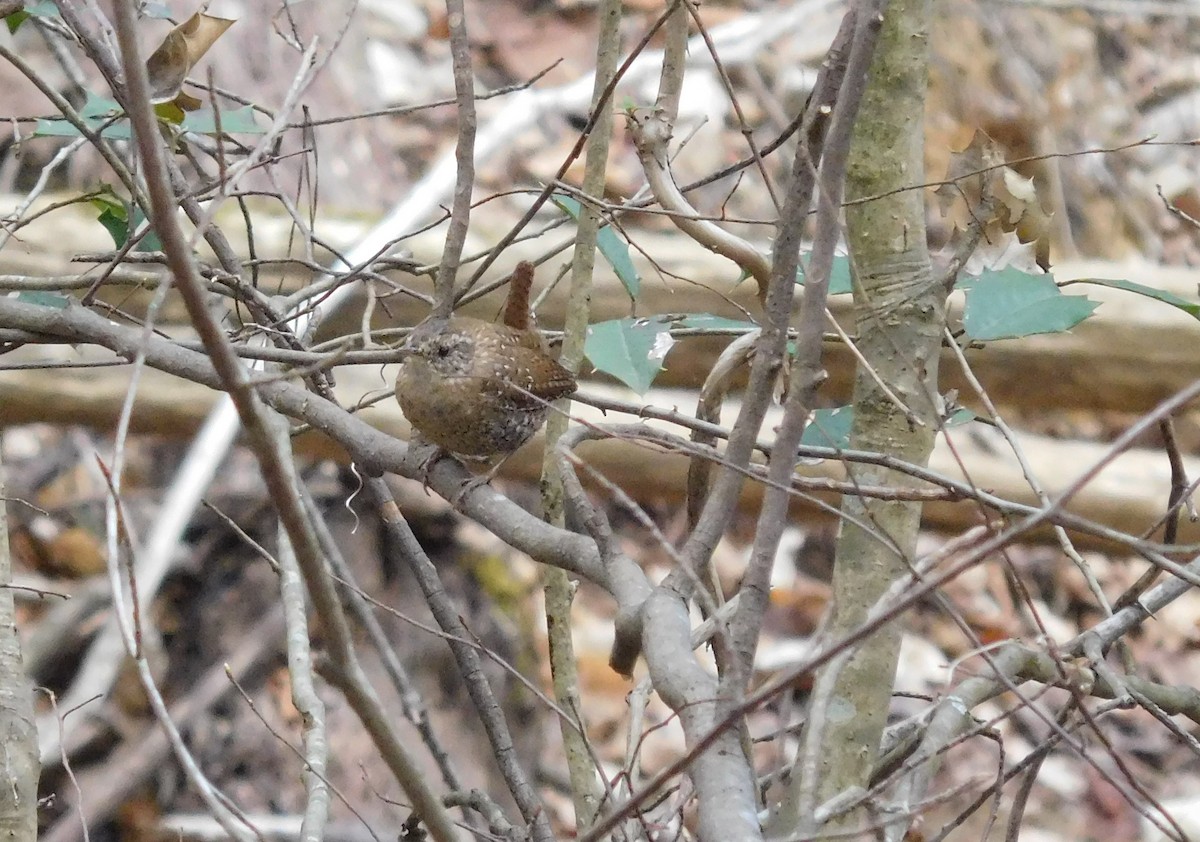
(274, 463)
(464, 154)
(468, 660)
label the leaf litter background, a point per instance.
(1037, 80)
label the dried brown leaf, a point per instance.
(178, 53)
(967, 177)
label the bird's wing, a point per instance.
(525, 338)
(533, 373)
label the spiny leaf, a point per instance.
(114, 216)
(967, 176)
(116, 225)
(1002, 251)
(631, 350)
(1011, 303)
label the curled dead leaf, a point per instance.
(1017, 195)
(980, 190)
(967, 178)
(178, 53)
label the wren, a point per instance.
(477, 389)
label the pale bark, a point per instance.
(899, 315)
(18, 735)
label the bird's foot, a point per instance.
(428, 454)
(467, 487)
(473, 483)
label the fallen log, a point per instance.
(1131, 354)
(1129, 494)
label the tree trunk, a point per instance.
(899, 313)
(18, 735)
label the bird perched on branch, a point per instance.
(481, 390)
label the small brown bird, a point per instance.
(477, 389)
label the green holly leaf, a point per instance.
(114, 216)
(116, 225)
(631, 350)
(233, 121)
(98, 113)
(958, 418)
(1011, 303)
(829, 428)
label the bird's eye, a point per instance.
(443, 350)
